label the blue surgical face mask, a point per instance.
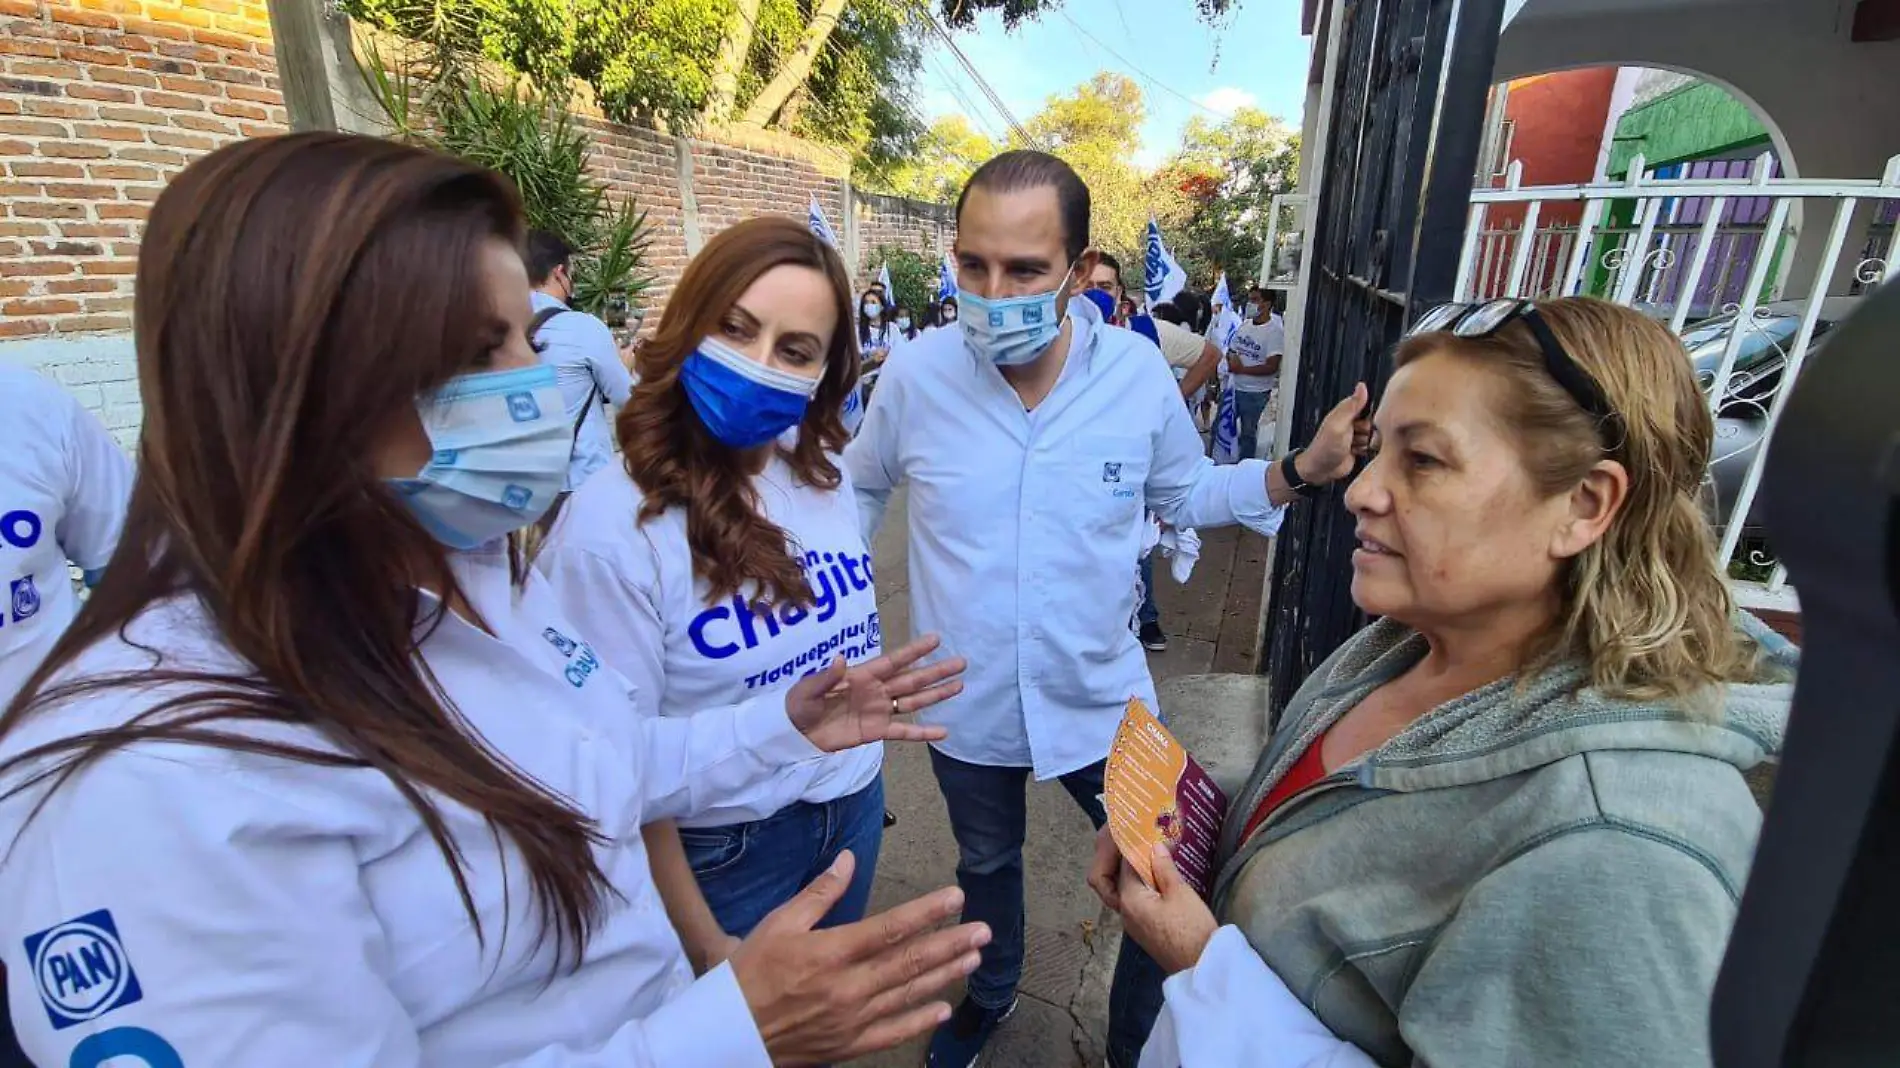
(743, 402)
(1011, 331)
(502, 445)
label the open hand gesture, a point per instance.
(841, 707)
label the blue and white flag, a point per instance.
(946, 279)
(822, 226)
(1163, 276)
(1227, 323)
(1227, 427)
(884, 279)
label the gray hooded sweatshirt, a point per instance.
(1530, 877)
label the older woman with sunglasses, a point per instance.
(1506, 823)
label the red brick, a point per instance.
(11, 250)
(92, 230)
(23, 229)
(219, 7)
(220, 39)
(164, 157)
(123, 172)
(59, 109)
(249, 61)
(15, 46)
(143, 116)
(175, 139)
(39, 306)
(95, 305)
(203, 123)
(9, 107)
(24, 327)
(122, 211)
(114, 76)
(37, 209)
(80, 191)
(114, 7)
(22, 168)
(106, 267)
(240, 111)
(83, 323)
(190, 86)
(21, 9)
(146, 193)
(190, 16)
(251, 129)
(99, 92)
(124, 42)
(15, 148)
(18, 287)
(108, 132)
(104, 57)
(98, 20)
(47, 31)
(33, 128)
(74, 150)
(197, 53)
(35, 268)
(232, 77)
(153, 99)
(147, 28)
(15, 190)
(56, 69)
(165, 65)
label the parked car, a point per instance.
(1763, 353)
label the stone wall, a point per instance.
(102, 101)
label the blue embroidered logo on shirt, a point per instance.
(560, 641)
(26, 599)
(1111, 472)
(81, 970)
(583, 665)
(516, 497)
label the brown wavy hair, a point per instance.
(1646, 606)
(295, 295)
(675, 460)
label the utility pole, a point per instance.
(316, 65)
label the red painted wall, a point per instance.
(1559, 128)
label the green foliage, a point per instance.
(652, 60)
(534, 140)
(945, 157)
(1218, 188)
(913, 276)
(1097, 130)
(961, 14)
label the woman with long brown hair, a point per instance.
(317, 776)
(725, 560)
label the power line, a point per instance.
(976, 76)
(1144, 75)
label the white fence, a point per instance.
(1629, 243)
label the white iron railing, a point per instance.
(1683, 272)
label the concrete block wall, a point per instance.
(102, 101)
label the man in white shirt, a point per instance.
(1254, 358)
(1032, 440)
(587, 362)
(64, 484)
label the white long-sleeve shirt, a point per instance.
(1230, 1008)
(1026, 528)
(630, 586)
(582, 351)
(235, 909)
(63, 490)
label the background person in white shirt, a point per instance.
(1032, 441)
(724, 561)
(63, 487)
(312, 779)
(587, 363)
(1254, 359)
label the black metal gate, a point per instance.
(1401, 149)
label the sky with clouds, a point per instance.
(1256, 57)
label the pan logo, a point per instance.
(523, 408)
(81, 969)
(1111, 472)
(25, 598)
(134, 1042)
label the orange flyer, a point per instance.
(1155, 792)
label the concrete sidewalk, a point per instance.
(1211, 623)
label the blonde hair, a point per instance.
(1646, 606)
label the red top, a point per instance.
(1310, 769)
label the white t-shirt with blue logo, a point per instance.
(630, 588)
(63, 490)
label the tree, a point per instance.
(1097, 130)
(912, 276)
(961, 14)
(949, 151)
(1218, 187)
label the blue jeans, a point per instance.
(1249, 407)
(748, 869)
(1149, 612)
(989, 817)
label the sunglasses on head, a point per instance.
(1483, 319)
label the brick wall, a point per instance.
(102, 101)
